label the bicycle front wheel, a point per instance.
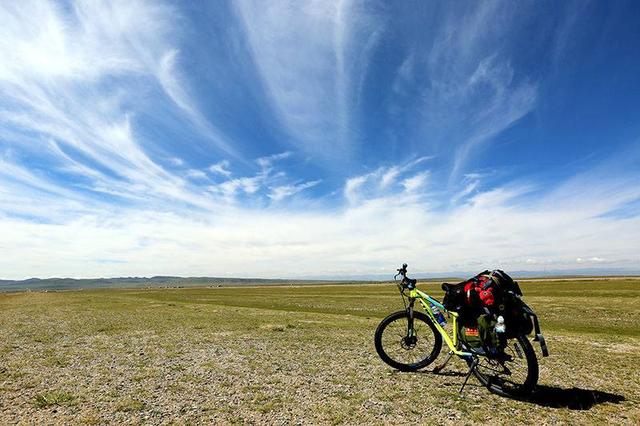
(514, 374)
(407, 349)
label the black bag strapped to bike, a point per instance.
(454, 296)
(504, 282)
(519, 318)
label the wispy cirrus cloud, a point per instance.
(221, 168)
(402, 179)
(281, 192)
(175, 87)
(268, 181)
(312, 93)
(72, 87)
(469, 89)
(54, 86)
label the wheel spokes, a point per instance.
(407, 349)
(511, 372)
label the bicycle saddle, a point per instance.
(447, 286)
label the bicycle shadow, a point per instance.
(428, 372)
(447, 373)
(550, 396)
(571, 398)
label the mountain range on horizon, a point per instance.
(176, 281)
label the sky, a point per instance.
(318, 138)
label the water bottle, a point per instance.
(500, 327)
(439, 317)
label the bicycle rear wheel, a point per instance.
(405, 349)
(513, 375)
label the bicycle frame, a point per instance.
(425, 300)
(494, 360)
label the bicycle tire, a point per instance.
(507, 388)
(383, 349)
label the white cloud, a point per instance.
(493, 230)
(229, 188)
(197, 174)
(221, 168)
(468, 189)
(352, 186)
(279, 193)
(415, 183)
(267, 162)
(37, 41)
(389, 176)
(267, 178)
(594, 259)
(502, 227)
(384, 181)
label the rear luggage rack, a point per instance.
(539, 337)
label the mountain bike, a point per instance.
(409, 340)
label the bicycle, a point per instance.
(410, 340)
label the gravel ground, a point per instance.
(122, 358)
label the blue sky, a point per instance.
(318, 138)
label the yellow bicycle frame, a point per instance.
(426, 300)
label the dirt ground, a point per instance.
(300, 355)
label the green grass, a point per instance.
(295, 354)
(129, 405)
(53, 398)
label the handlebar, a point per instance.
(406, 282)
(401, 271)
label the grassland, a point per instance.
(282, 355)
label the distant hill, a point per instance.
(169, 281)
(139, 282)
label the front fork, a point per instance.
(410, 331)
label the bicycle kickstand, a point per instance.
(474, 364)
(440, 367)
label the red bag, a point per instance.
(481, 287)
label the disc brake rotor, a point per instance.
(409, 342)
